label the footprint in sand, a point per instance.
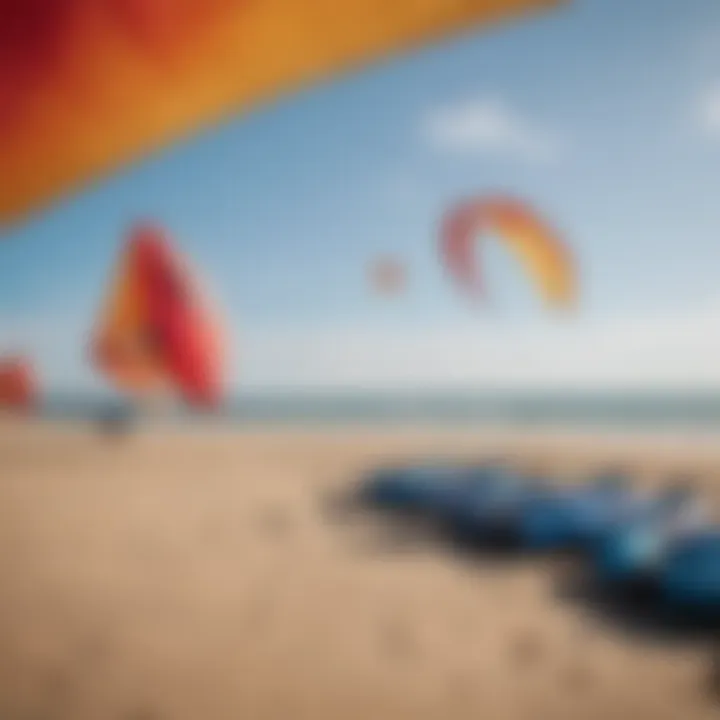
(398, 640)
(142, 713)
(60, 688)
(579, 678)
(275, 522)
(527, 648)
(713, 677)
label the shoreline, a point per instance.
(553, 438)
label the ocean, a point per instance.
(573, 410)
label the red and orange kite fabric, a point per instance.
(88, 85)
(156, 334)
(542, 252)
(18, 386)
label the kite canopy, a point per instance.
(18, 389)
(156, 333)
(87, 86)
(387, 276)
(539, 248)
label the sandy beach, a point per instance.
(185, 574)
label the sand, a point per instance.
(196, 575)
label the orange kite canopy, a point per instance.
(18, 390)
(87, 85)
(543, 253)
(156, 332)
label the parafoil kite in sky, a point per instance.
(544, 255)
(156, 333)
(18, 386)
(387, 276)
(87, 85)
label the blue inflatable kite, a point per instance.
(689, 579)
(428, 488)
(556, 518)
(490, 511)
(633, 549)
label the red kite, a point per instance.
(18, 387)
(157, 333)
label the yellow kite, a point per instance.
(543, 253)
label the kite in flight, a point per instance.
(543, 254)
(18, 386)
(387, 276)
(156, 334)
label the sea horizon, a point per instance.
(514, 408)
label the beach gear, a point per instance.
(689, 579)
(631, 551)
(431, 487)
(489, 512)
(572, 516)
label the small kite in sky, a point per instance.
(544, 255)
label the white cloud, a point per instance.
(487, 126)
(710, 110)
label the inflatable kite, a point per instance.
(86, 86)
(539, 248)
(630, 553)
(689, 578)
(430, 489)
(387, 276)
(489, 513)
(572, 517)
(18, 387)
(156, 333)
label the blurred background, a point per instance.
(498, 244)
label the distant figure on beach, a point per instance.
(116, 420)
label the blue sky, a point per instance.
(605, 115)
